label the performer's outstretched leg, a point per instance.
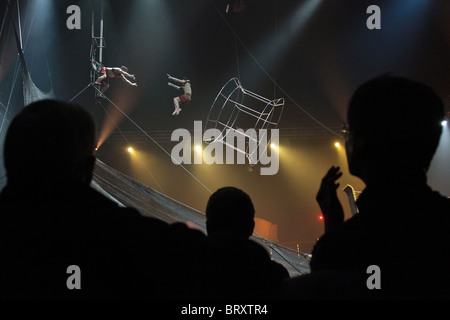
(176, 103)
(174, 86)
(105, 87)
(102, 84)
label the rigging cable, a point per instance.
(270, 77)
(154, 141)
(16, 73)
(128, 143)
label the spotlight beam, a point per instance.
(278, 43)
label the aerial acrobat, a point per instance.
(115, 72)
(185, 98)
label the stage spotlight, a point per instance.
(337, 144)
(444, 122)
(273, 146)
(130, 149)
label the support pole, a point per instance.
(92, 21)
(19, 23)
(100, 57)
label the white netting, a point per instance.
(32, 93)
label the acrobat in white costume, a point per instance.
(185, 98)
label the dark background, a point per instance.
(314, 53)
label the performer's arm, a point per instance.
(126, 74)
(122, 76)
(174, 86)
(175, 79)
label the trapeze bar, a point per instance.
(94, 39)
(245, 107)
(240, 104)
(272, 103)
(257, 116)
(237, 131)
(223, 141)
(265, 100)
(235, 148)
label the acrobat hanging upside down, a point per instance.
(115, 72)
(185, 98)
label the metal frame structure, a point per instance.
(234, 101)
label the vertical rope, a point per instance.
(236, 47)
(19, 23)
(16, 73)
(155, 142)
(276, 34)
(252, 56)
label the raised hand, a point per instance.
(326, 197)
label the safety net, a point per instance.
(31, 92)
(131, 193)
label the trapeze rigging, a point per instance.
(100, 74)
(233, 109)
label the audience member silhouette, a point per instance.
(394, 127)
(237, 267)
(50, 219)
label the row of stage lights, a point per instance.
(273, 146)
(199, 148)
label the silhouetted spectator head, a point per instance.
(230, 210)
(394, 124)
(50, 141)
